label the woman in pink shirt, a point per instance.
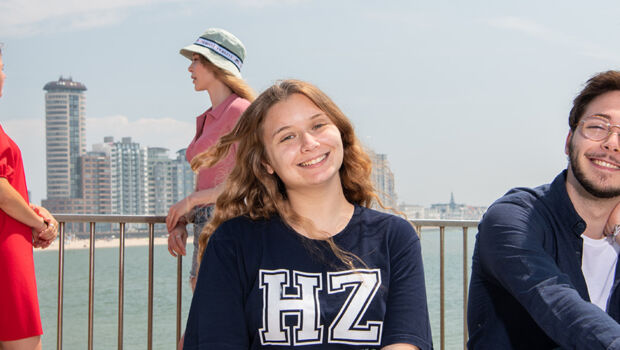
(217, 57)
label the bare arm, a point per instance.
(181, 208)
(12, 203)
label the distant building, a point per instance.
(94, 190)
(65, 144)
(169, 180)
(184, 178)
(160, 178)
(96, 182)
(443, 211)
(383, 179)
(454, 211)
(129, 177)
(413, 211)
(65, 136)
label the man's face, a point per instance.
(596, 164)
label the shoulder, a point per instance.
(396, 229)
(519, 204)
(5, 141)
(8, 149)
(237, 106)
(524, 218)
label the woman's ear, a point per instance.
(268, 168)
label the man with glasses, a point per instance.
(544, 272)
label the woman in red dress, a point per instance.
(22, 227)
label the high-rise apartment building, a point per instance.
(169, 180)
(184, 177)
(160, 178)
(128, 166)
(144, 180)
(65, 136)
(94, 188)
(383, 179)
(96, 182)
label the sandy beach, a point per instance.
(109, 243)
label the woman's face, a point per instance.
(2, 75)
(303, 146)
(202, 77)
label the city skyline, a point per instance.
(467, 98)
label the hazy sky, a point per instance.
(470, 97)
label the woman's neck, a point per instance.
(327, 208)
(218, 92)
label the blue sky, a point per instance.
(465, 97)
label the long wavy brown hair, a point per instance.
(253, 192)
(237, 85)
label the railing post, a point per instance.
(465, 286)
(61, 281)
(121, 283)
(442, 334)
(149, 345)
(179, 289)
(91, 286)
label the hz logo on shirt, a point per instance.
(346, 328)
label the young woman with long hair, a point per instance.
(294, 256)
(23, 226)
(216, 60)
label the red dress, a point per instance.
(19, 306)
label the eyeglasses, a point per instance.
(597, 128)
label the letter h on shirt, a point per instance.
(277, 305)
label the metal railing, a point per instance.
(442, 224)
(121, 221)
(150, 221)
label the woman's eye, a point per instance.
(286, 138)
(319, 125)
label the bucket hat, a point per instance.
(221, 48)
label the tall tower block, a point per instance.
(65, 135)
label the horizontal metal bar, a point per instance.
(445, 223)
(147, 219)
(138, 219)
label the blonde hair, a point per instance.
(237, 85)
(253, 192)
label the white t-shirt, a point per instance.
(598, 265)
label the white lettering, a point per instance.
(301, 309)
(220, 50)
(346, 328)
(304, 305)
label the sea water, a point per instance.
(105, 336)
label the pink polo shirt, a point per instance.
(209, 127)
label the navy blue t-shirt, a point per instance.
(263, 286)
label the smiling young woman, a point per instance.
(294, 256)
